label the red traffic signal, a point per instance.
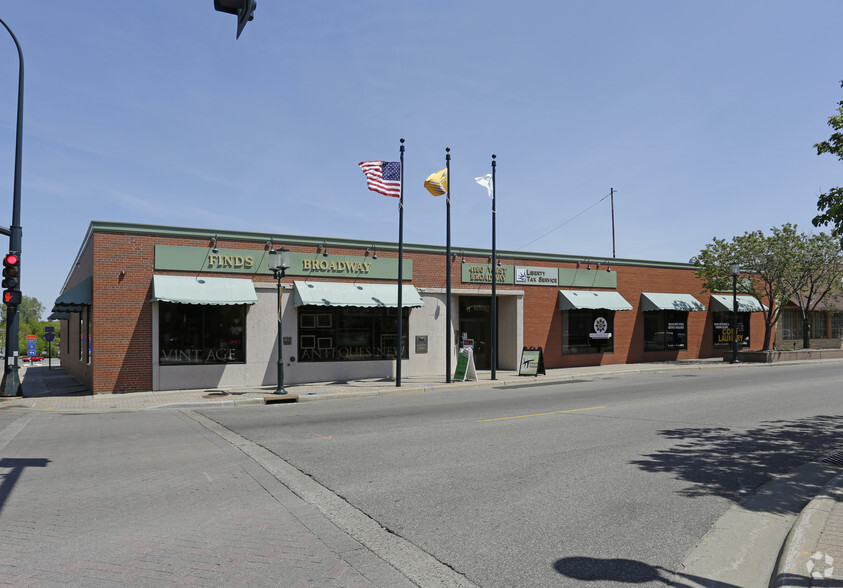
(11, 270)
(244, 9)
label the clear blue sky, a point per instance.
(701, 115)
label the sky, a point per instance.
(701, 116)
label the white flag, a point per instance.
(486, 182)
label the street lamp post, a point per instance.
(735, 271)
(279, 263)
(10, 385)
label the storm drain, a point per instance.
(835, 458)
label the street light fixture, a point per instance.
(279, 263)
(735, 271)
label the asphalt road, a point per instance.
(611, 480)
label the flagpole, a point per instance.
(494, 278)
(612, 194)
(400, 274)
(448, 350)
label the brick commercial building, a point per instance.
(160, 308)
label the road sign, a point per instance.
(49, 329)
(49, 336)
(31, 342)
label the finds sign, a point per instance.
(240, 261)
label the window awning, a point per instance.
(59, 316)
(721, 302)
(590, 299)
(660, 301)
(75, 298)
(350, 294)
(201, 290)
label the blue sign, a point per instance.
(49, 336)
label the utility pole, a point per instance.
(10, 385)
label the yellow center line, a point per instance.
(523, 416)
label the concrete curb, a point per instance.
(207, 404)
(801, 543)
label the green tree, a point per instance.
(30, 312)
(815, 278)
(766, 262)
(830, 204)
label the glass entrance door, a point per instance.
(476, 325)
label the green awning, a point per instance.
(75, 298)
(590, 299)
(360, 295)
(659, 301)
(721, 302)
(201, 290)
(59, 316)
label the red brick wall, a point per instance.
(122, 312)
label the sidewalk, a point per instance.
(813, 552)
(55, 390)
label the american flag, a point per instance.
(383, 177)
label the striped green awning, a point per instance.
(591, 299)
(723, 302)
(202, 290)
(660, 301)
(359, 295)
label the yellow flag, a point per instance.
(437, 182)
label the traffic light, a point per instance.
(11, 271)
(244, 9)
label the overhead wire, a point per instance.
(563, 224)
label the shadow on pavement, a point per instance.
(731, 464)
(626, 570)
(16, 467)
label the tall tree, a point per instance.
(830, 204)
(815, 278)
(766, 264)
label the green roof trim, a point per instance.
(314, 241)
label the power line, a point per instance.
(563, 224)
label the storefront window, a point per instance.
(791, 324)
(723, 329)
(837, 325)
(665, 330)
(192, 334)
(588, 331)
(819, 324)
(350, 334)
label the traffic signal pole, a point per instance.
(11, 385)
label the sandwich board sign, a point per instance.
(532, 362)
(466, 369)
